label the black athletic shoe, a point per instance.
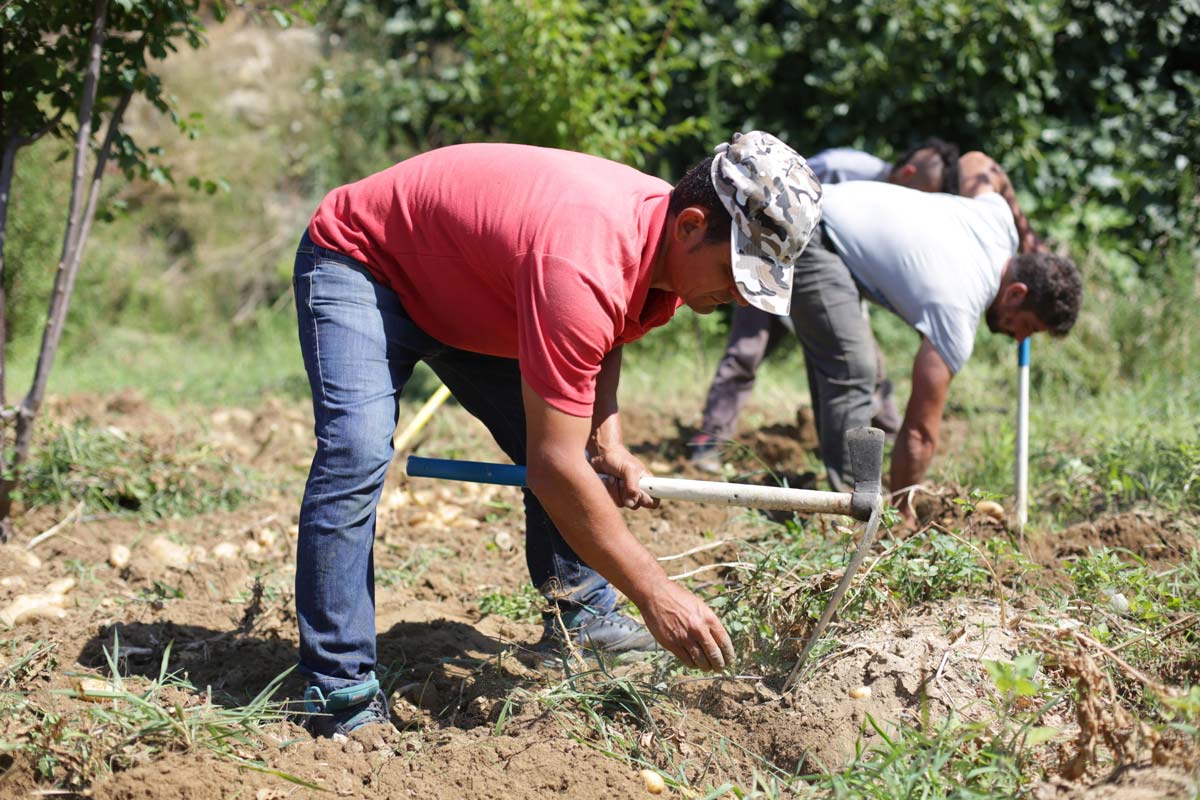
(611, 634)
(346, 709)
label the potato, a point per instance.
(990, 508)
(26, 607)
(118, 556)
(167, 552)
(654, 782)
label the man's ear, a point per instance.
(690, 225)
(1015, 294)
(907, 171)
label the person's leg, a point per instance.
(750, 334)
(490, 389)
(352, 338)
(839, 352)
(885, 415)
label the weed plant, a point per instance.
(110, 470)
(123, 724)
(523, 605)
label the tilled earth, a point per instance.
(211, 598)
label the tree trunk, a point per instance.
(7, 160)
(68, 265)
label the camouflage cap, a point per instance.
(775, 201)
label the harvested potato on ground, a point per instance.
(118, 556)
(28, 607)
(654, 782)
(167, 552)
(18, 559)
(991, 509)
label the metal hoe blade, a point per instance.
(852, 568)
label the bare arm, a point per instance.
(607, 441)
(575, 498)
(918, 436)
(978, 174)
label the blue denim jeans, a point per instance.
(359, 349)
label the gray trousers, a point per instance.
(846, 372)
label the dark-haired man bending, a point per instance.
(940, 262)
(517, 273)
(930, 166)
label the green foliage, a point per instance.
(1091, 105)
(33, 239)
(46, 44)
(933, 566)
(117, 472)
(1115, 581)
(1139, 467)
(524, 605)
(956, 760)
(575, 74)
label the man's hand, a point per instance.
(575, 500)
(624, 473)
(684, 625)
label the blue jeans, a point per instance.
(359, 349)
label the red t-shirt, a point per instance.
(515, 251)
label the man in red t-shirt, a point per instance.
(517, 273)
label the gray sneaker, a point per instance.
(613, 633)
(346, 709)
(704, 453)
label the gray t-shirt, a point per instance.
(933, 259)
(839, 164)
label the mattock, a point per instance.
(865, 503)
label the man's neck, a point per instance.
(659, 279)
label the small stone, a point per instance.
(503, 540)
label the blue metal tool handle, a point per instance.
(1023, 353)
(472, 471)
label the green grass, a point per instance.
(127, 720)
(117, 472)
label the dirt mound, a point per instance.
(932, 659)
(1157, 540)
(1132, 783)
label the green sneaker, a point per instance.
(345, 709)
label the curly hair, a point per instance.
(1055, 289)
(696, 188)
(946, 152)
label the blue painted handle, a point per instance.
(1023, 353)
(472, 471)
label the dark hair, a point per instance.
(947, 152)
(1055, 289)
(696, 189)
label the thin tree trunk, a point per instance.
(7, 162)
(68, 264)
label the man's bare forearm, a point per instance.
(911, 458)
(576, 500)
